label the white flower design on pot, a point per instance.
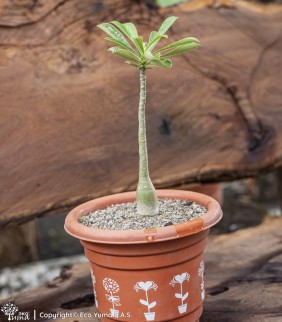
(112, 287)
(179, 279)
(146, 286)
(201, 271)
(94, 287)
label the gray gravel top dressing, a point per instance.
(124, 216)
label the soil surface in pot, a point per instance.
(125, 217)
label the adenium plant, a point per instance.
(143, 55)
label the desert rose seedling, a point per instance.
(143, 55)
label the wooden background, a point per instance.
(68, 116)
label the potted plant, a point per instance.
(147, 265)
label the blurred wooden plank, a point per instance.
(72, 289)
(243, 277)
(69, 109)
(20, 241)
(244, 274)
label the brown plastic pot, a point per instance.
(147, 275)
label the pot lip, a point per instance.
(106, 236)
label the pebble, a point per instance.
(125, 217)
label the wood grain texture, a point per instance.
(69, 109)
(242, 280)
(19, 245)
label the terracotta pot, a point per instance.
(213, 190)
(150, 275)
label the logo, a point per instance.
(13, 314)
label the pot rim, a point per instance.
(106, 236)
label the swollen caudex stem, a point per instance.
(147, 202)
(143, 55)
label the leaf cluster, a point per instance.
(140, 54)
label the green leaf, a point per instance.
(157, 62)
(166, 25)
(167, 62)
(181, 49)
(113, 32)
(131, 29)
(156, 36)
(153, 34)
(167, 3)
(153, 42)
(140, 47)
(127, 28)
(179, 43)
(114, 49)
(161, 62)
(120, 44)
(121, 27)
(132, 64)
(126, 54)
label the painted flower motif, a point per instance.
(145, 286)
(201, 274)
(113, 299)
(94, 287)
(179, 279)
(110, 285)
(93, 277)
(201, 268)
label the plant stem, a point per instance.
(147, 203)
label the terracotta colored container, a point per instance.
(147, 275)
(213, 190)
